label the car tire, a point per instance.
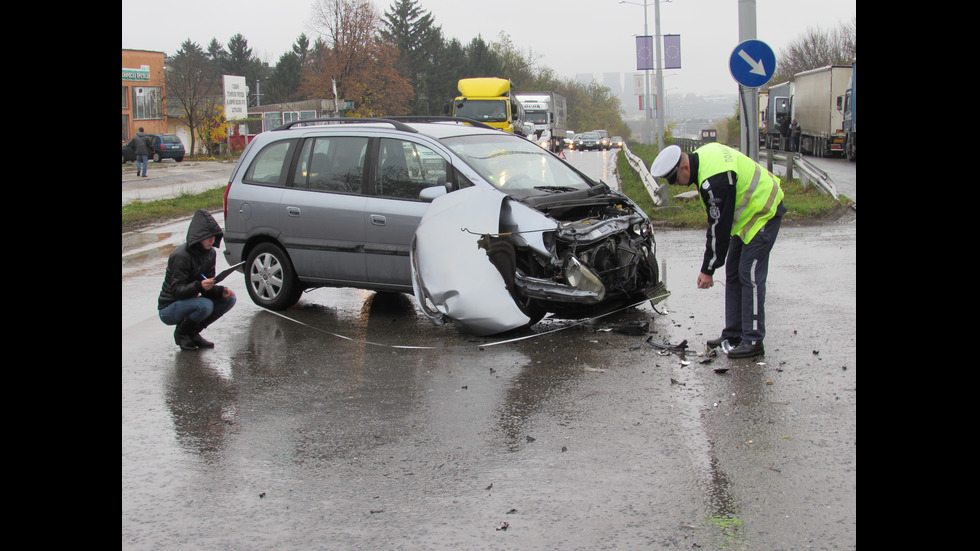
(270, 278)
(157, 158)
(179, 159)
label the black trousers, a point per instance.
(746, 270)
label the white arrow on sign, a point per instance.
(757, 67)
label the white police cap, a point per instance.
(666, 163)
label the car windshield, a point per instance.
(170, 139)
(513, 163)
(482, 110)
(537, 117)
(590, 136)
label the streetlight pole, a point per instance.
(660, 75)
(659, 69)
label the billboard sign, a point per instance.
(236, 98)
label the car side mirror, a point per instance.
(430, 193)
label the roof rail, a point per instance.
(440, 118)
(398, 125)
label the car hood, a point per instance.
(451, 275)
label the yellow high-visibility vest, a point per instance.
(757, 191)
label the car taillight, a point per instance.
(224, 202)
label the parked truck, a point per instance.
(846, 105)
(547, 112)
(490, 101)
(815, 109)
(777, 115)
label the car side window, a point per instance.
(332, 164)
(406, 168)
(270, 165)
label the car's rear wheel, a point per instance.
(270, 278)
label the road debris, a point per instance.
(635, 328)
(681, 347)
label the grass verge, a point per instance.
(138, 215)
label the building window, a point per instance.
(147, 103)
(271, 120)
(125, 97)
(125, 128)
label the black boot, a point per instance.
(182, 335)
(747, 350)
(200, 341)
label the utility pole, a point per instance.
(748, 97)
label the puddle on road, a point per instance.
(137, 240)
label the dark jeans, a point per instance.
(197, 309)
(144, 161)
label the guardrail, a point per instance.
(810, 173)
(657, 192)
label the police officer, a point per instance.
(744, 204)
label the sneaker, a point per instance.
(715, 343)
(747, 350)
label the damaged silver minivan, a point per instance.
(490, 232)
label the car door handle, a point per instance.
(292, 211)
(378, 220)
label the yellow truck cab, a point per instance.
(488, 100)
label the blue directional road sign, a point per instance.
(752, 63)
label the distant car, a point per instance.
(587, 141)
(617, 141)
(604, 141)
(165, 146)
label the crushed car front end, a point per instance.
(494, 259)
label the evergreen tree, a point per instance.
(283, 83)
(413, 32)
(482, 61)
(448, 66)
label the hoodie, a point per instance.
(190, 261)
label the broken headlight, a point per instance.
(582, 277)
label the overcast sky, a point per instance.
(568, 36)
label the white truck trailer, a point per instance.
(815, 109)
(548, 113)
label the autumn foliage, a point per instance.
(362, 66)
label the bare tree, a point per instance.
(815, 49)
(192, 86)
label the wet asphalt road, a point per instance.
(318, 429)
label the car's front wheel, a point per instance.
(270, 278)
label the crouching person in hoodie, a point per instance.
(189, 298)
